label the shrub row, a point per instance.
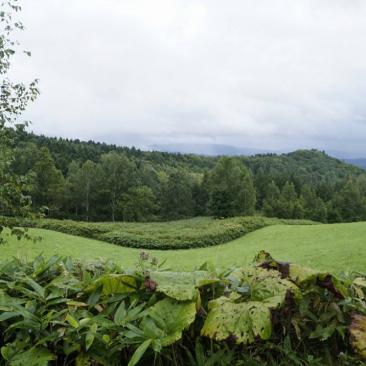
(182, 234)
(59, 312)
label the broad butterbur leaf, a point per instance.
(115, 284)
(263, 285)
(242, 322)
(358, 334)
(170, 318)
(181, 286)
(303, 276)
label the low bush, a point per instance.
(59, 312)
(181, 234)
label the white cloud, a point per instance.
(276, 74)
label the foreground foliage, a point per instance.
(59, 312)
(181, 234)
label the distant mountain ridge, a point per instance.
(361, 163)
(195, 158)
(209, 149)
(220, 149)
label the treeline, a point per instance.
(92, 181)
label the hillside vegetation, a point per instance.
(99, 182)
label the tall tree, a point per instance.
(73, 190)
(14, 98)
(271, 200)
(349, 203)
(289, 205)
(314, 207)
(118, 175)
(84, 183)
(49, 183)
(201, 195)
(138, 204)
(177, 201)
(231, 189)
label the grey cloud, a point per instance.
(284, 74)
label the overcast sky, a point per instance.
(281, 74)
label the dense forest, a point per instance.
(96, 181)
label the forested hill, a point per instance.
(311, 164)
(97, 181)
(64, 151)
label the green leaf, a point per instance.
(8, 315)
(120, 313)
(72, 321)
(33, 357)
(82, 360)
(38, 288)
(167, 319)
(181, 285)
(76, 303)
(262, 285)
(115, 284)
(139, 353)
(106, 338)
(358, 334)
(5, 352)
(242, 322)
(89, 339)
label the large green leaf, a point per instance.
(358, 334)
(33, 357)
(181, 285)
(167, 319)
(115, 284)
(242, 322)
(302, 276)
(246, 313)
(263, 285)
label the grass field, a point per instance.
(337, 247)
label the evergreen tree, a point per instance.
(231, 189)
(201, 196)
(314, 207)
(289, 206)
(348, 204)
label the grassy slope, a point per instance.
(333, 247)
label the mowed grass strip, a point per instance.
(337, 247)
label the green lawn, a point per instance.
(337, 247)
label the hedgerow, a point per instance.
(182, 234)
(59, 312)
